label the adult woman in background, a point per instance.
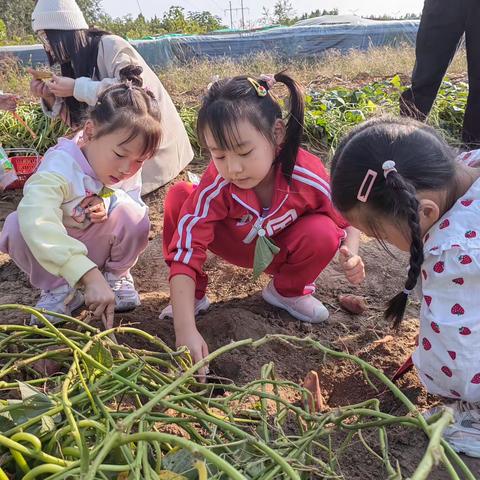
(90, 61)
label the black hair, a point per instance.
(423, 161)
(233, 99)
(128, 106)
(76, 52)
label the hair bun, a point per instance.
(133, 74)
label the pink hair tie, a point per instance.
(269, 79)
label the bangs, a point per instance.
(149, 131)
(66, 45)
(225, 132)
(221, 119)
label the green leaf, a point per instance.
(101, 354)
(27, 391)
(33, 403)
(48, 424)
(180, 462)
(396, 81)
(6, 423)
(354, 116)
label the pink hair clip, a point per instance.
(367, 185)
(269, 79)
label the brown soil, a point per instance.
(238, 312)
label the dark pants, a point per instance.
(441, 28)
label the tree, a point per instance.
(17, 16)
(408, 16)
(316, 13)
(265, 19)
(174, 20)
(205, 21)
(91, 10)
(283, 12)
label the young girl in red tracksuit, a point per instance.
(263, 203)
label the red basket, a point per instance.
(25, 162)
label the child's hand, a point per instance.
(352, 266)
(61, 86)
(8, 102)
(197, 346)
(99, 297)
(95, 208)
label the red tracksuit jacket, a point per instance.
(217, 200)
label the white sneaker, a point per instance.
(305, 308)
(464, 434)
(63, 299)
(126, 297)
(201, 305)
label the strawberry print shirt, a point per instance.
(448, 354)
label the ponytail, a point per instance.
(294, 126)
(126, 105)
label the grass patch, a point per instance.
(341, 91)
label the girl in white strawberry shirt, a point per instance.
(396, 180)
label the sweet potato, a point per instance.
(41, 74)
(353, 303)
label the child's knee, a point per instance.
(177, 195)
(321, 235)
(132, 219)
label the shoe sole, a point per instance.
(200, 311)
(128, 307)
(269, 298)
(56, 320)
(463, 448)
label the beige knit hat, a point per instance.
(58, 15)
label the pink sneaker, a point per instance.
(305, 308)
(201, 305)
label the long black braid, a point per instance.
(409, 206)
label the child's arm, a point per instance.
(185, 249)
(350, 261)
(182, 298)
(40, 219)
(115, 53)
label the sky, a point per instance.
(150, 8)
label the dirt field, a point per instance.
(239, 312)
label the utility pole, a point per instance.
(231, 17)
(243, 16)
(242, 9)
